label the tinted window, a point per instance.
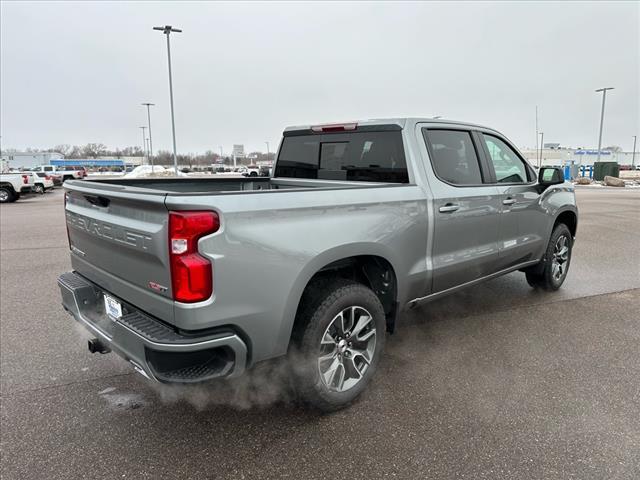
(41, 174)
(357, 156)
(454, 157)
(506, 163)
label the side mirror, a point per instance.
(550, 176)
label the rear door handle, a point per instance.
(508, 201)
(449, 207)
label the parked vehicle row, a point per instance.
(37, 180)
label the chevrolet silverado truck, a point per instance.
(192, 280)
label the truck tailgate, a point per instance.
(119, 240)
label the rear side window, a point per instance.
(453, 156)
(41, 174)
(354, 156)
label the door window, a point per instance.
(453, 156)
(508, 166)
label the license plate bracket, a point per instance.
(112, 307)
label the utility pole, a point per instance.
(268, 152)
(633, 155)
(144, 143)
(537, 153)
(604, 97)
(167, 29)
(541, 149)
(149, 125)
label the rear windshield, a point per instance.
(353, 156)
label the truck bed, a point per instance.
(207, 186)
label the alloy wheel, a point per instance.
(347, 348)
(560, 260)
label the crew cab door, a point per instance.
(466, 209)
(522, 221)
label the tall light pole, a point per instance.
(633, 155)
(541, 149)
(268, 152)
(167, 29)
(604, 96)
(537, 154)
(149, 125)
(144, 143)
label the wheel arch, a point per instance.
(569, 218)
(370, 264)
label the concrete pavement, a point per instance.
(499, 381)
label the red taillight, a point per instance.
(334, 127)
(191, 273)
(47, 177)
(25, 179)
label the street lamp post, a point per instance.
(144, 143)
(633, 155)
(149, 125)
(541, 149)
(604, 96)
(268, 152)
(167, 29)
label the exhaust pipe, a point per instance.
(96, 346)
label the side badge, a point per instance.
(157, 287)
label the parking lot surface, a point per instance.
(498, 381)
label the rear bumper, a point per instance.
(154, 349)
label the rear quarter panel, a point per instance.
(270, 244)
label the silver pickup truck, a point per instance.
(195, 279)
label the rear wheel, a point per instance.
(550, 275)
(341, 335)
(39, 188)
(6, 195)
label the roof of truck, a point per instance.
(401, 122)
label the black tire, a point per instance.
(321, 305)
(545, 275)
(7, 195)
(39, 188)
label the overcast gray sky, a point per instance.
(76, 72)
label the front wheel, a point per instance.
(552, 271)
(39, 188)
(341, 330)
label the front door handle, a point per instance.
(508, 201)
(448, 208)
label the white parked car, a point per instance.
(13, 184)
(251, 171)
(67, 173)
(43, 182)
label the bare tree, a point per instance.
(63, 148)
(94, 150)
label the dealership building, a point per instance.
(561, 156)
